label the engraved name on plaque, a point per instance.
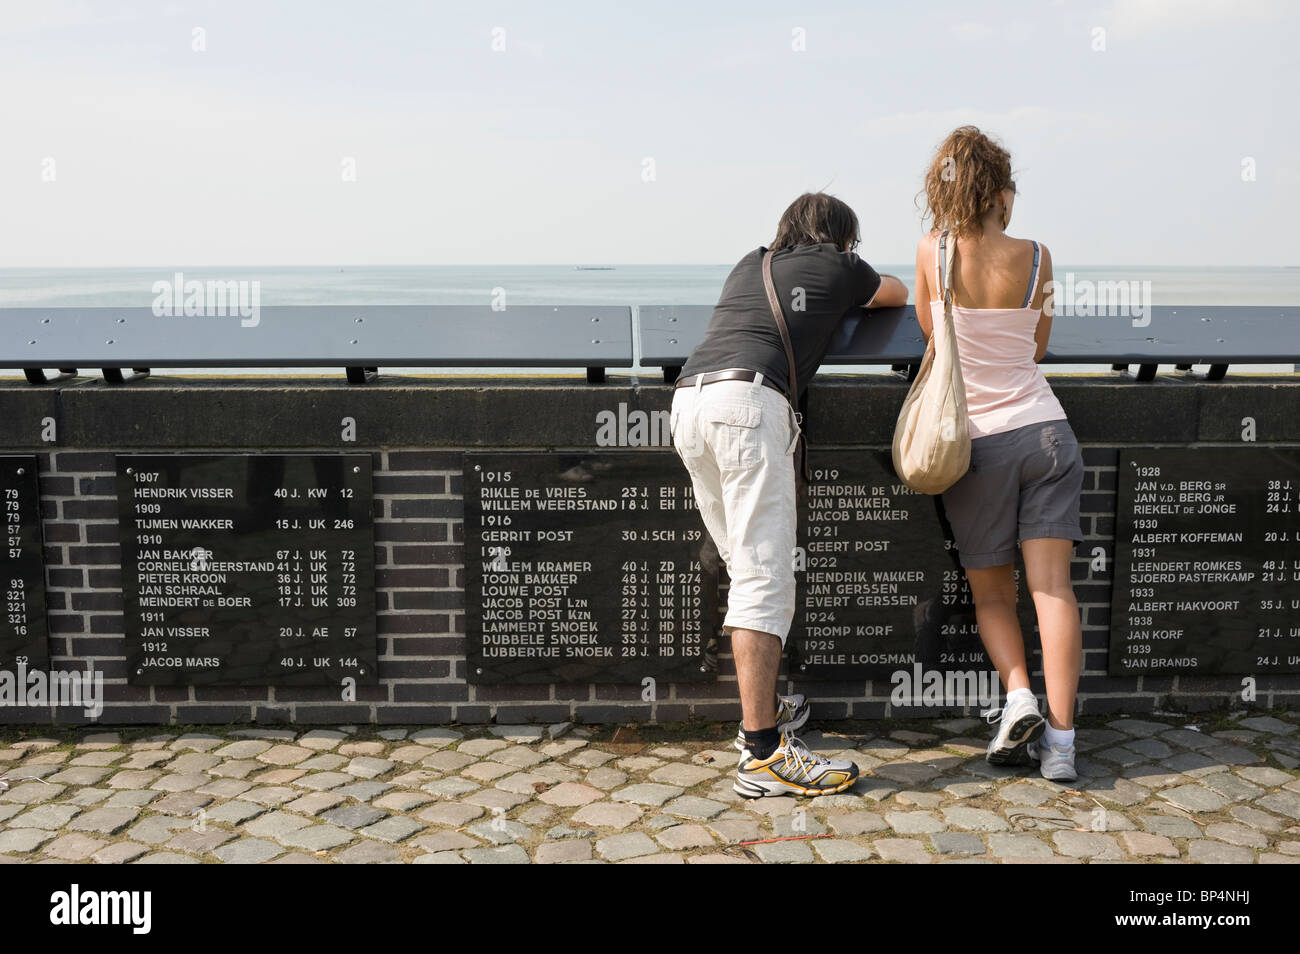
(880, 588)
(24, 635)
(585, 568)
(247, 569)
(1207, 562)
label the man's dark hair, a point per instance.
(816, 217)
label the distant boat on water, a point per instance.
(593, 268)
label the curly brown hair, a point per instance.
(968, 171)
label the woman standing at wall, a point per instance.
(1026, 468)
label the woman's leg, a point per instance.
(1047, 573)
(994, 591)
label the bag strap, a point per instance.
(1033, 280)
(775, 304)
(938, 264)
(802, 472)
(945, 270)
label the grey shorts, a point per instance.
(1022, 485)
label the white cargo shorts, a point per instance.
(737, 440)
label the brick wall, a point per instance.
(419, 548)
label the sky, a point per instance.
(234, 133)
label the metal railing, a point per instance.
(126, 343)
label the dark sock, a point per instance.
(762, 742)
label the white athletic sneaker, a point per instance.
(1019, 724)
(792, 770)
(791, 714)
(1055, 762)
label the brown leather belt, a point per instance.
(735, 374)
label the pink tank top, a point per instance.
(1005, 388)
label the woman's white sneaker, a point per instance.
(1055, 762)
(1019, 724)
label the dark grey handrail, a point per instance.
(1181, 335)
(359, 338)
(363, 338)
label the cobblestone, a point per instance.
(692, 806)
(500, 831)
(199, 842)
(234, 812)
(52, 817)
(1170, 826)
(392, 829)
(1216, 853)
(1195, 798)
(482, 796)
(1143, 844)
(354, 816)
(1235, 834)
(119, 853)
(1018, 846)
(275, 824)
(647, 793)
(501, 855)
(630, 845)
(180, 803)
(104, 821)
(74, 847)
(248, 851)
(903, 850)
(317, 837)
(1084, 844)
(20, 840)
(156, 829)
(1284, 803)
(974, 819)
(957, 843)
(558, 852)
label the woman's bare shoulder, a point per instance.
(1028, 245)
(928, 240)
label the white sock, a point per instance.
(1024, 694)
(1063, 738)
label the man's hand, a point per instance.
(892, 293)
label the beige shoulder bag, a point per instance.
(932, 436)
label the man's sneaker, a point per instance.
(1019, 723)
(1055, 762)
(791, 714)
(792, 770)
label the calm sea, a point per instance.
(565, 285)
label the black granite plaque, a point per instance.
(586, 568)
(1207, 562)
(247, 569)
(23, 637)
(880, 588)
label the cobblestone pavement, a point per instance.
(1224, 789)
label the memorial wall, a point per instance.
(423, 551)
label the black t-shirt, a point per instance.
(816, 285)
